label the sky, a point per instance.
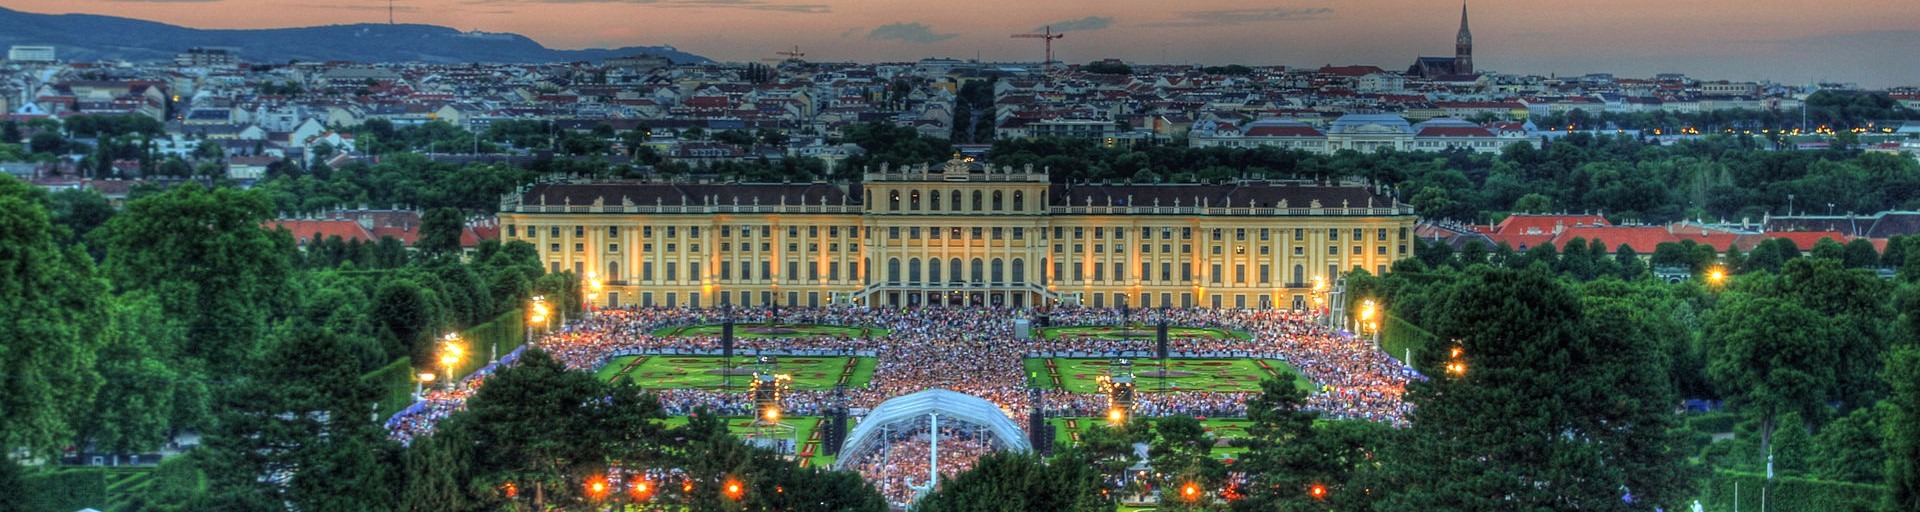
(1872, 42)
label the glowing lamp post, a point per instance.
(420, 386)
(449, 355)
(537, 315)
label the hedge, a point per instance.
(504, 333)
(1791, 493)
(71, 488)
(1713, 422)
(1400, 337)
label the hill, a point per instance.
(86, 37)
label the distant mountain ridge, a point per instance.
(87, 37)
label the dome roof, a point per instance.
(951, 405)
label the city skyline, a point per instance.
(1771, 40)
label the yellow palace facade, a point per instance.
(960, 233)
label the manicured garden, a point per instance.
(705, 372)
(1222, 375)
(775, 331)
(1138, 332)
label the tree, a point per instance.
(1286, 456)
(1852, 448)
(1539, 410)
(1764, 370)
(440, 231)
(51, 328)
(1181, 454)
(294, 430)
(80, 211)
(1903, 428)
(404, 316)
(205, 256)
(544, 427)
(1859, 253)
(131, 412)
(1533, 203)
(1015, 481)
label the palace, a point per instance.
(961, 233)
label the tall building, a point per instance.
(1463, 46)
(1460, 65)
(959, 233)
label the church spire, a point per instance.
(1463, 45)
(1466, 36)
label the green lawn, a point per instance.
(775, 331)
(1081, 375)
(1138, 332)
(1065, 428)
(688, 372)
(804, 425)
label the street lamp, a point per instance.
(1716, 276)
(592, 292)
(420, 386)
(450, 353)
(537, 315)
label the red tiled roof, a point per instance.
(311, 231)
(1520, 242)
(1805, 239)
(1643, 239)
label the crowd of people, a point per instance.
(900, 467)
(975, 351)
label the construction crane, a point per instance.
(795, 54)
(1048, 35)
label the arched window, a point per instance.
(934, 202)
(1019, 265)
(613, 271)
(913, 200)
(1019, 200)
(893, 270)
(978, 204)
(933, 269)
(913, 270)
(979, 270)
(893, 201)
(997, 205)
(954, 271)
(1299, 274)
(953, 198)
(999, 276)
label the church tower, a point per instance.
(1463, 46)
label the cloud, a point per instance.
(915, 32)
(1082, 24)
(1239, 16)
(167, 1)
(853, 31)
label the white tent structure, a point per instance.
(925, 411)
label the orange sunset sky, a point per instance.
(1875, 43)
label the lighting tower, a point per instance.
(1047, 35)
(1117, 384)
(767, 388)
